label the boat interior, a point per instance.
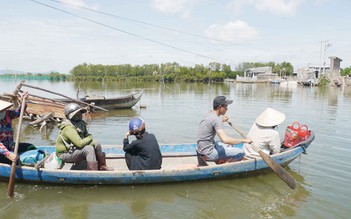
(119, 163)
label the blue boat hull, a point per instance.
(194, 173)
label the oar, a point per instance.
(279, 170)
(10, 190)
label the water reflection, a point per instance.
(253, 197)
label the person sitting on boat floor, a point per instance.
(7, 133)
(212, 124)
(264, 133)
(144, 152)
(75, 144)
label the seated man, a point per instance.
(144, 152)
(264, 133)
(212, 124)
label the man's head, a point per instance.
(137, 127)
(73, 111)
(221, 101)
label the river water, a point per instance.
(172, 112)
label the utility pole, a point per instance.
(326, 46)
(320, 59)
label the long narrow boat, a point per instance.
(116, 102)
(39, 107)
(44, 106)
(179, 164)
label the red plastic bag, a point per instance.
(295, 134)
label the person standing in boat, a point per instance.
(75, 144)
(264, 133)
(212, 124)
(7, 144)
(144, 152)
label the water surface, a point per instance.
(172, 113)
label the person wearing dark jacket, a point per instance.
(144, 152)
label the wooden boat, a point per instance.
(41, 109)
(179, 164)
(114, 103)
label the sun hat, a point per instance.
(221, 100)
(4, 105)
(270, 117)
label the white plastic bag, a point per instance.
(53, 162)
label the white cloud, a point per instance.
(276, 7)
(234, 31)
(171, 6)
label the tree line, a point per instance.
(213, 72)
(172, 71)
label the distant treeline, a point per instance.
(54, 76)
(214, 72)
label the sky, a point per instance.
(57, 35)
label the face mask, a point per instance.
(77, 117)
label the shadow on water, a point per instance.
(262, 196)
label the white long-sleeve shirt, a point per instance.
(266, 138)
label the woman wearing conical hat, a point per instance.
(264, 133)
(7, 143)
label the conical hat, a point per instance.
(270, 117)
(4, 105)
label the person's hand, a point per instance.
(24, 95)
(89, 136)
(127, 134)
(248, 140)
(225, 118)
(12, 157)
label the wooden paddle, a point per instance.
(11, 187)
(279, 170)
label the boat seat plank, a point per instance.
(119, 164)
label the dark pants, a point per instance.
(129, 158)
(87, 153)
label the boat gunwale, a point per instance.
(155, 176)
